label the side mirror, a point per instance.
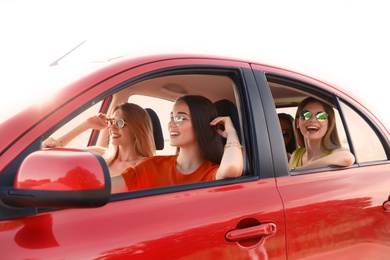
(60, 178)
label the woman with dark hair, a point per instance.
(317, 137)
(287, 125)
(201, 155)
(131, 136)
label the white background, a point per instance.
(344, 42)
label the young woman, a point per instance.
(131, 135)
(287, 125)
(317, 137)
(194, 130)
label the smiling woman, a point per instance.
(200, 157)
(317, 137)
(129, 142)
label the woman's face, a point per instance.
(286, 130)
(313, 129)
(181, 132)
(120, 136)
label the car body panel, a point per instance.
(339, 211)
(271, 212)
(164, 226)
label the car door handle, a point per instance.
(257, 231)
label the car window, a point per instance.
(367, 146)
(80, 141)
(288, 96)
(355, 132)
(156, 93)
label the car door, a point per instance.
(336, 212)
(237, 219)
(344, 209)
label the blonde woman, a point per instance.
(317, 137)
(131, 137)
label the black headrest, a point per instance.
(227, 108)
(157, 131)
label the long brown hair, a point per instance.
(140, 127)
(331, 139)
(202, 112)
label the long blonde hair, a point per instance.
(140, 126)
(331, 139)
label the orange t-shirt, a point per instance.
(158, 171)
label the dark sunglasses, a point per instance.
(286, 134)
(320, 116)
(119, 123)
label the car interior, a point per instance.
(157, 95)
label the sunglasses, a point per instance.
(320, 116)
(119, 123)
(178, 119)
(286, 134)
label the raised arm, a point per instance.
(97, 122)
(232, 162)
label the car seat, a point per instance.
(227, 108)
(157, 130)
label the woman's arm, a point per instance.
(97, 122)
(118, 184)
(338, 157)
(232, 163)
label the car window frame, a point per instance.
(236, 74)
(240, 77)
(311, 89)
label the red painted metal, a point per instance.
(341, 214)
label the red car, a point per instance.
(268, 213)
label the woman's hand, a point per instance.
(227, 123)
(97, 122)
(51, 143)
